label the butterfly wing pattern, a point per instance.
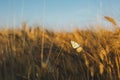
(76, 46)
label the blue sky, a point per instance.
(57, 12)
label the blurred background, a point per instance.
(58, 14)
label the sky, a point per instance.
(57, 13)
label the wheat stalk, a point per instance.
(110, 20)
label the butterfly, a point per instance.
(76, 46)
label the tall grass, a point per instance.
(20, 54)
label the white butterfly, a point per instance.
(76, 46)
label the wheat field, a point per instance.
(36, 54)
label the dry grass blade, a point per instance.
(110, 20)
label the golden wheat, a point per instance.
(20, 54)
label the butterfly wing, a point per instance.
(75, 44)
